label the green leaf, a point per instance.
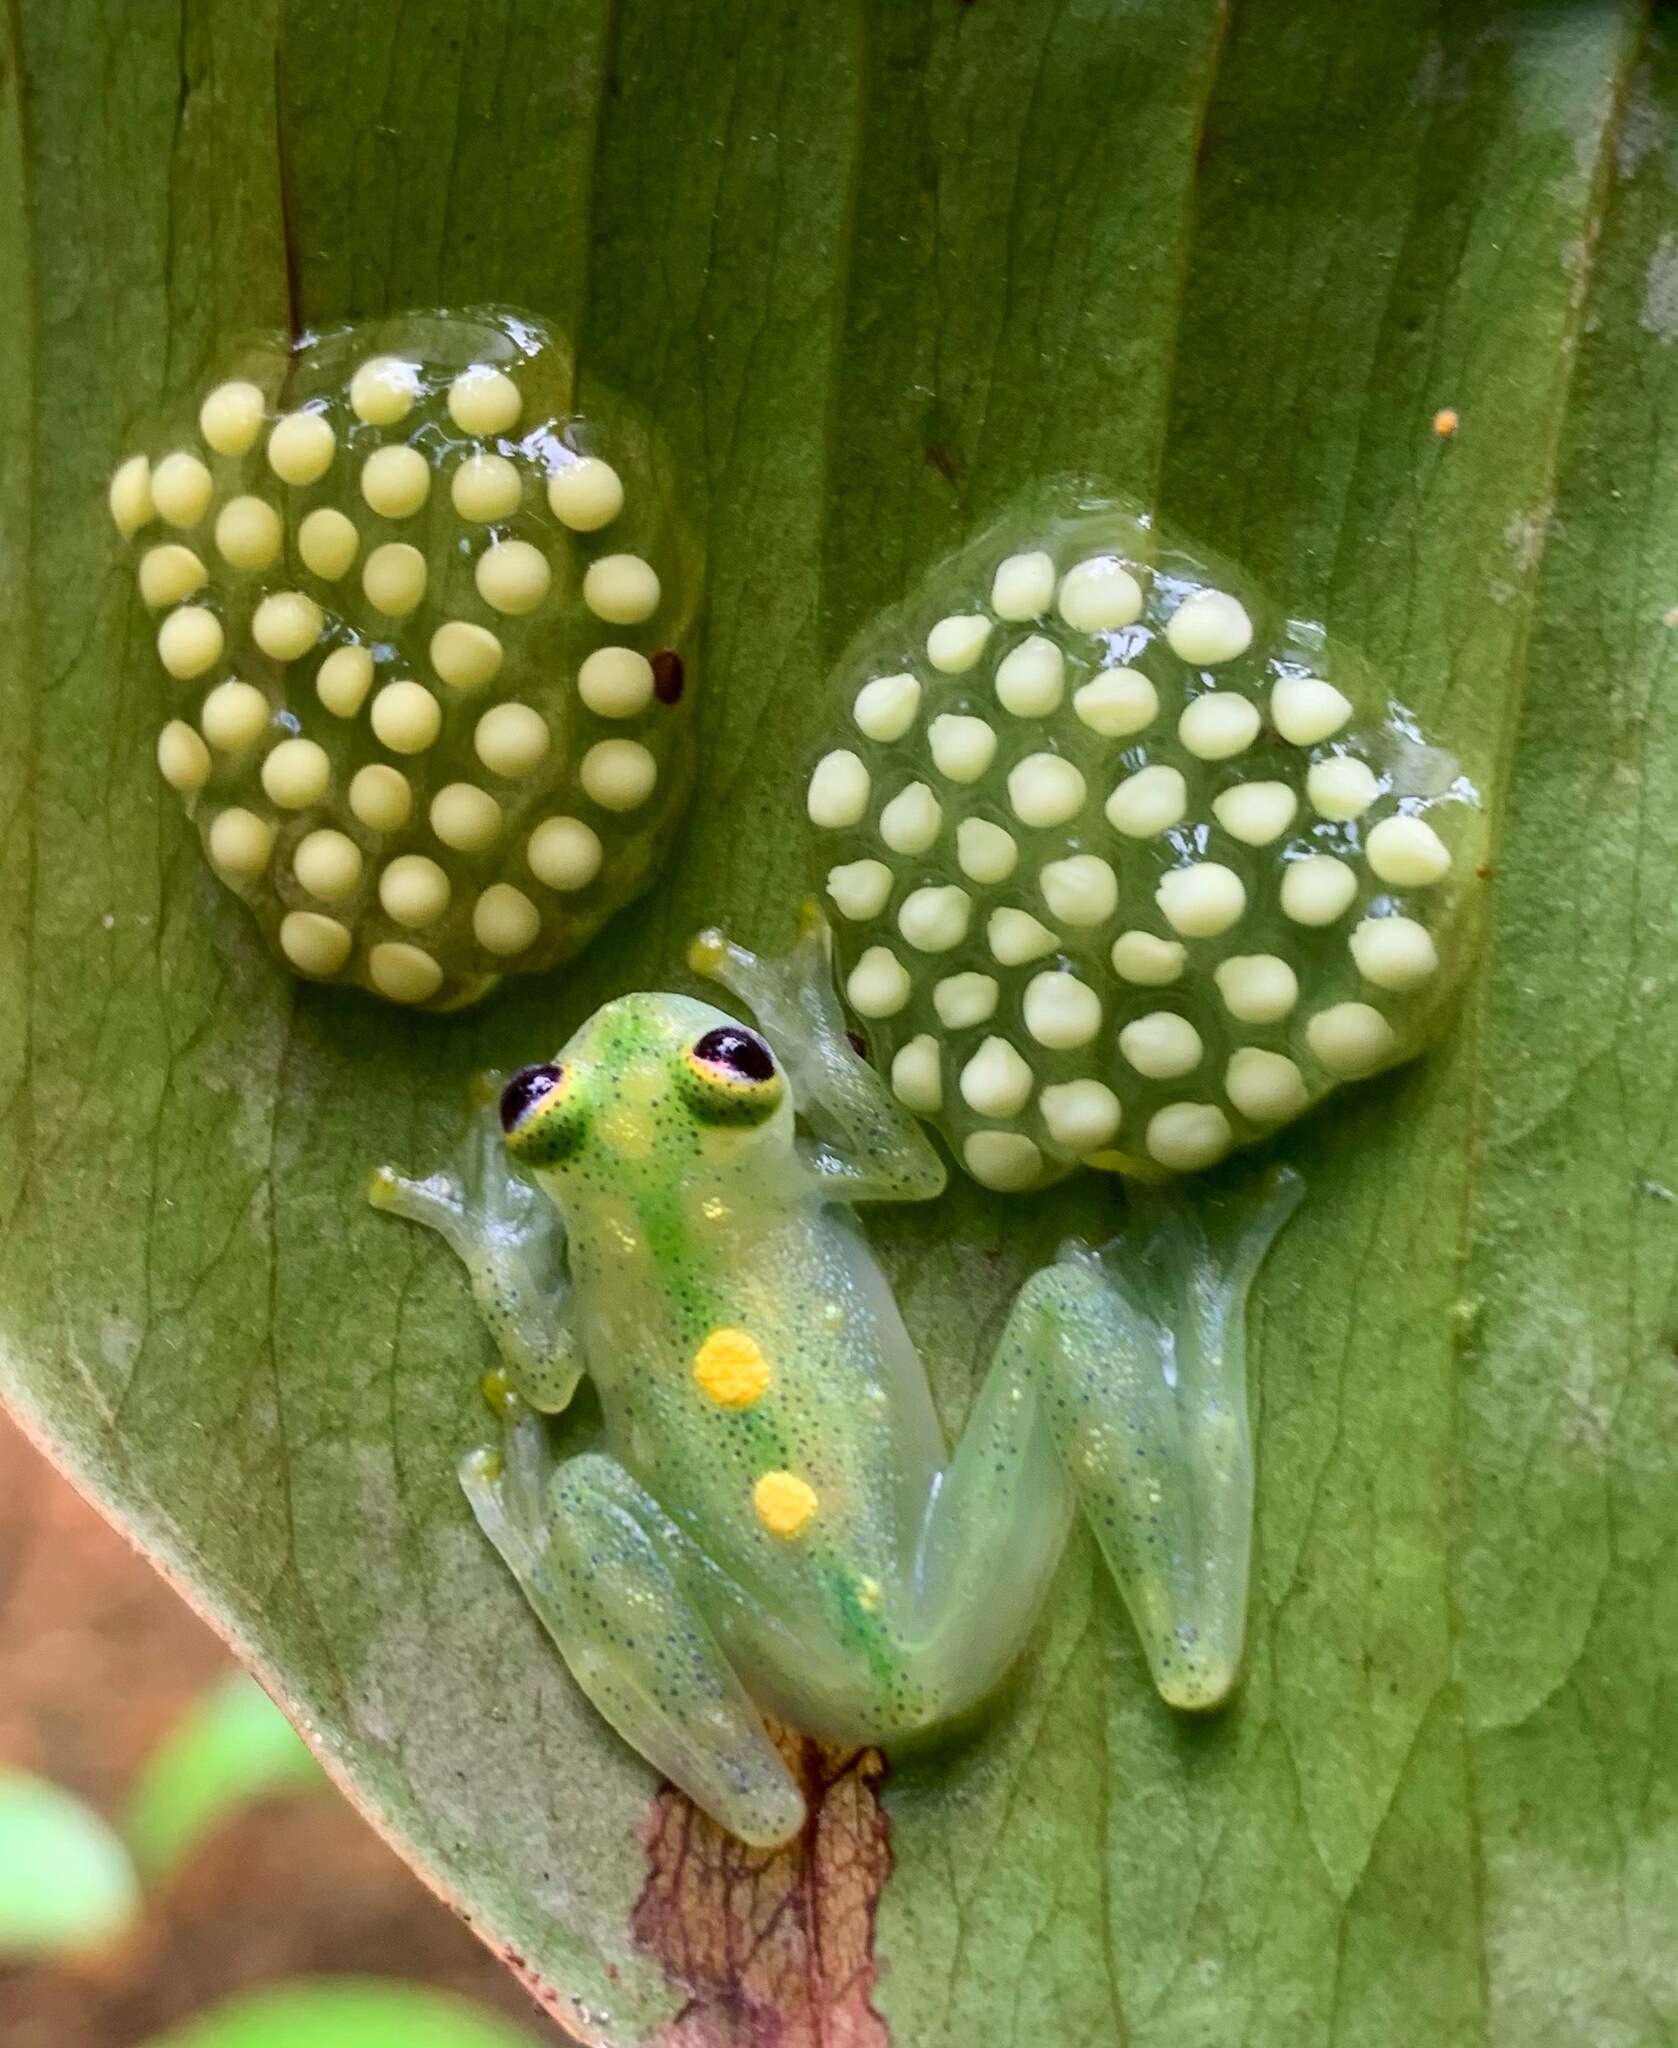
(345, 2013)
(233, 1747)
(873, 267)
(66, 1884)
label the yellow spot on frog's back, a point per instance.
(785, 1504)
(714, 1209)
(730, 1369)
(868, 1594)
(628, 1132)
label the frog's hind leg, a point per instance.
(509, 1236)
(1148, 1409)
(602, 1566)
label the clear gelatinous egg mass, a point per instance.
(1126, 867)
(424, 632)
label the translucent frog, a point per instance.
(776, 1524)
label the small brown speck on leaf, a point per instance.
(774, 1949)
(1446, 421)
(858, 1044)
(669, 678)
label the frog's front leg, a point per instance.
(613, 1582)
(510, 1237)
(866, 1146)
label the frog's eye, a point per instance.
(540, 1115)
(731, 1077)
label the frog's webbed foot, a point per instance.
(602, 1566)
(511, 1240)
(867, 1146)
(1149, 1413)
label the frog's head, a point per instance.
(650, 1083)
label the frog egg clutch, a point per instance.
(1127, 867)
(426, 639)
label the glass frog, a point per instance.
(776, 1524)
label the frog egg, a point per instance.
(1045, 789)
(886, 707)
(190, 642)
(169, 574)
(465, 656)
(1305, 709)
(249, 533)
(382, 798)
(513, 577)
(484, 400)
(1187, 1136)
(1004, 1160)
(466, 817)
(955, 644)
(962, 747)
(1148, 803)
(911, 821)
(963, 1000)
(1099, 595)
(1060, 1010)
(404, 973)
(130, 496)
(181, 489)
(384, 390)
(414, 890)
(314, 944)
(240, 843)
(1030, 678)
(327, 864)
(1406, 852)
(1265, 1086)
(585, 494)
(233, 716)
(1107, 848)
(1208, 628)
(406, 717)
(1394, 952)
(1318, 889)
(616, 682)
(565, 853)
(296, 774)
(286, 625)
(393, 578)
(183, 760)
(230, 419)
(1256, 813)
(486, 488)
(1081, 1116)
(351, 527)
(396, 481)
(301, 447)
(328, 542)
(343, 680)
(504, 920)
(917, 1075)
(1117, 704)
(621, 589)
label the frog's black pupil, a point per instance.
(526, 1088)
(741, 1052)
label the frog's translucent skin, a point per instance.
(1110, 845)
(427, 642)
(774, 1522)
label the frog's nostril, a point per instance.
(523, 1092)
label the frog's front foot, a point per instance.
(611, 1579)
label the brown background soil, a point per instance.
(97, 1659)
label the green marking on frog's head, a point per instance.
(650, 1084)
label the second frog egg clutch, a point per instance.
(1129, 866)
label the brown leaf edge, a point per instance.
(773, 1948)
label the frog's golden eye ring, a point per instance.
(730, 1077)
(540, 1115)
